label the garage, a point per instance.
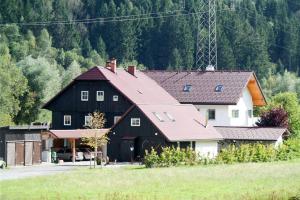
(22, 145)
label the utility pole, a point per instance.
(206, 52)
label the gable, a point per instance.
(69, 99)
(255, 90)
(174, 122)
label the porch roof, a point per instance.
(78, 133)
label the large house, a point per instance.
(140, 114)
(157, 108)
(226, 98)
(144, 110)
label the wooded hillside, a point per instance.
(44, 44)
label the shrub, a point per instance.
(151, 159)
(170, 156)
(256, 152)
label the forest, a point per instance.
(45, 44)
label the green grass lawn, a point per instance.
(279, 180)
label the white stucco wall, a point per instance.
(278, 142)
(244, 104)
(222, 117)
(207, 148)
(224, 112)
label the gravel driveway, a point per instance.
(29, 171)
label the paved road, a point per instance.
(49, 169)
(29, 171)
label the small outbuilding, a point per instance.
(21, 145)
(246, 135)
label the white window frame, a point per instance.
(250, 113)
(135, 122)
(214, 112)
(87, 120)
(235, 113)
(100, 95)
(65, 120)
(115, 98)
(116, 119)
(84, 95)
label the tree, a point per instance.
(72, 71)
(101, 47)
(97, 121)
(44, 41)
(13, 85)
(276, 83)
(275, 117)
(175, 60)
(289, 102)
(43, 79)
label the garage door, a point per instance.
(28, 153)
(36, 152)
(20, 153)
(10, 153)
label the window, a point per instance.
(67, 120)
(211, 114)
(100, 96)
(135, 121)
(219, 88)
(115, 98)
(116, 119)
(84, 95)
(87, 120)
(250, 113)
(170, 117)
(235, 113)
(158, 116)
(187, 88)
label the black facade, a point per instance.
(141, 138)
(69, 103)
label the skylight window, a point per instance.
(187, 88)
(158, 117)
(219, 88)
(170, 117)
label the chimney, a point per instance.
(112, 65)
(131, 70)
(210, 68)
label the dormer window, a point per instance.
(170, 117)
(84, 95)
(219, 88)
(187, 88)
(158, 116)
(100, 95)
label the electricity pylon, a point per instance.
(206, 52)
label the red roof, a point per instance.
(140, 89)
(203, 85)
(181, 122)
(150, 97)
(92, 74)
(78, 133)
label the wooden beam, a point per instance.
(73, 150)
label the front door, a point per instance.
(127, 150)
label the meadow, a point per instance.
(276, 180)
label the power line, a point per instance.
(105, 19)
